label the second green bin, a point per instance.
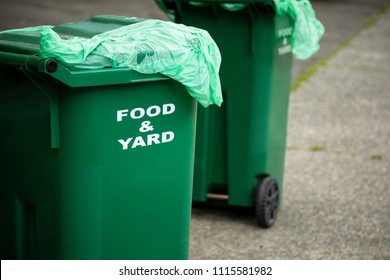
(240, 147)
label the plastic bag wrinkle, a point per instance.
(307, 31)
(186, 54)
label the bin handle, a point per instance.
(29, 64)
(51, 94)
(19, 60)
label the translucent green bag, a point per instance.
(307, 31)
(186, 54)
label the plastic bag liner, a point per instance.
(186, 54)
(307, 31)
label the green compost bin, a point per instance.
(95, 164)
(240, 147)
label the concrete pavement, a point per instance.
(336, 203)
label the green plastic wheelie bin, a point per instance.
(240, 147)
(95, 164)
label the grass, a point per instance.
(317, 148)
(376, 157)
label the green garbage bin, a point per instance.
(240, 147)
(95, 164)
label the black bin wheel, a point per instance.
(266, 202)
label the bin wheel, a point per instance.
(266, 202)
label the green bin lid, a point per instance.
(107, 50)
(21, 50)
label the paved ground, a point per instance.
(336, 203)
(337, 193)
(22, 13)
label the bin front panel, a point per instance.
(118, 186)
(139, 140)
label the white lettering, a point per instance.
(133, 113)
(167, 136)
(285, 32)
(157, 110)
(153, 138)
(284, 50)
(125, 144)
(138, 141)
(152, 111)
(146, 126)
(168, 109)
(120, 114)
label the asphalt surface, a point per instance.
(336, 201)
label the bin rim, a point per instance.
(119, 50)
(50, 69)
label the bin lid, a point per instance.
(115, 49)
(231, 5)
(307, 29)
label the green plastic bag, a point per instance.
(186, 54)
(307, 31)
